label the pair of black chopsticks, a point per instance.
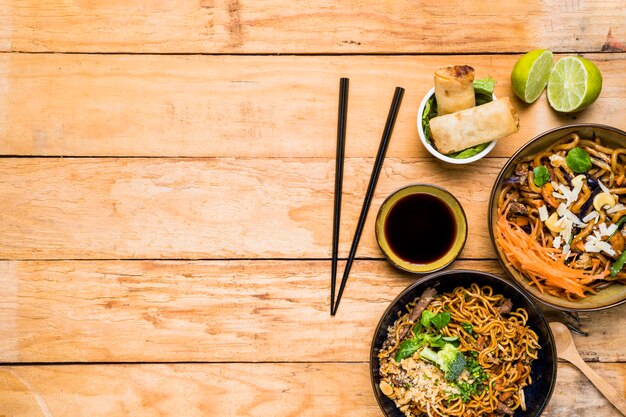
(378, 164)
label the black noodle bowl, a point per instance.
(543, 370)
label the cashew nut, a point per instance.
(604, 199)
(386, 388)
(551, 223)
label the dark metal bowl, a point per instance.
(608, 297)
(537, 395)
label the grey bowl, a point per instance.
(608, 297)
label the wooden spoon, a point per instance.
(566, 349)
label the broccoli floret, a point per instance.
(449, 359)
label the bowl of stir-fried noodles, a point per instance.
(463, 343)
(558, 217)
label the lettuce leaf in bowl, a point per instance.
(483, 92)
(469, 152)
(430, 111)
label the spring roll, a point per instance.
(454, 89)
(464, 129)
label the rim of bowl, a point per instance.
(457, 212)
(507, 283)
(492, 196)
(436, 153)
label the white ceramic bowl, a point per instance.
(433, 151)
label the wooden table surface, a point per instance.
(166, 190)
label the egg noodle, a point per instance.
(494, 338)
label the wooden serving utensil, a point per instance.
(566, 349)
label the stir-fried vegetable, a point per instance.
(476, 382)
(449, 359)
(619, 264)
(618, 224)
(541, 262)
(427, 331)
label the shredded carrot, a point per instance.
(594, 265)
(543, 266)
(580, 246)
(521, 221)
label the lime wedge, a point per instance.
(530, 74)
(574, 84)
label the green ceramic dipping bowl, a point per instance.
(458, 216)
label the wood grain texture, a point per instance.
(191, 390)
(247, 26)
(566, 349)
(120, 311)
(90, 208)
(245, 106)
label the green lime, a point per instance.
(574, 84)
(530, 74)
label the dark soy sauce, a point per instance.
(420, 228)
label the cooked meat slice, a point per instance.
(517, 208)
(503, 408)
(422, 303)
(521, 169)
(505, 308)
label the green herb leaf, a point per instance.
(427, 316)
(453, 340)
(441, 320)
(618, 265)
(434, 340)
(467, 327)
(417, 328)
(578, 160)
(542, 175)
(407, 348)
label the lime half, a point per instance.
(574, 84)
(530, 74)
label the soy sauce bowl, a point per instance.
(421, 228)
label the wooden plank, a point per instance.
(155, 208)
(121, 311)
(280, 26)
(327, 389)
(244, 106)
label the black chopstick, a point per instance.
(341, 145)
(378, 164)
